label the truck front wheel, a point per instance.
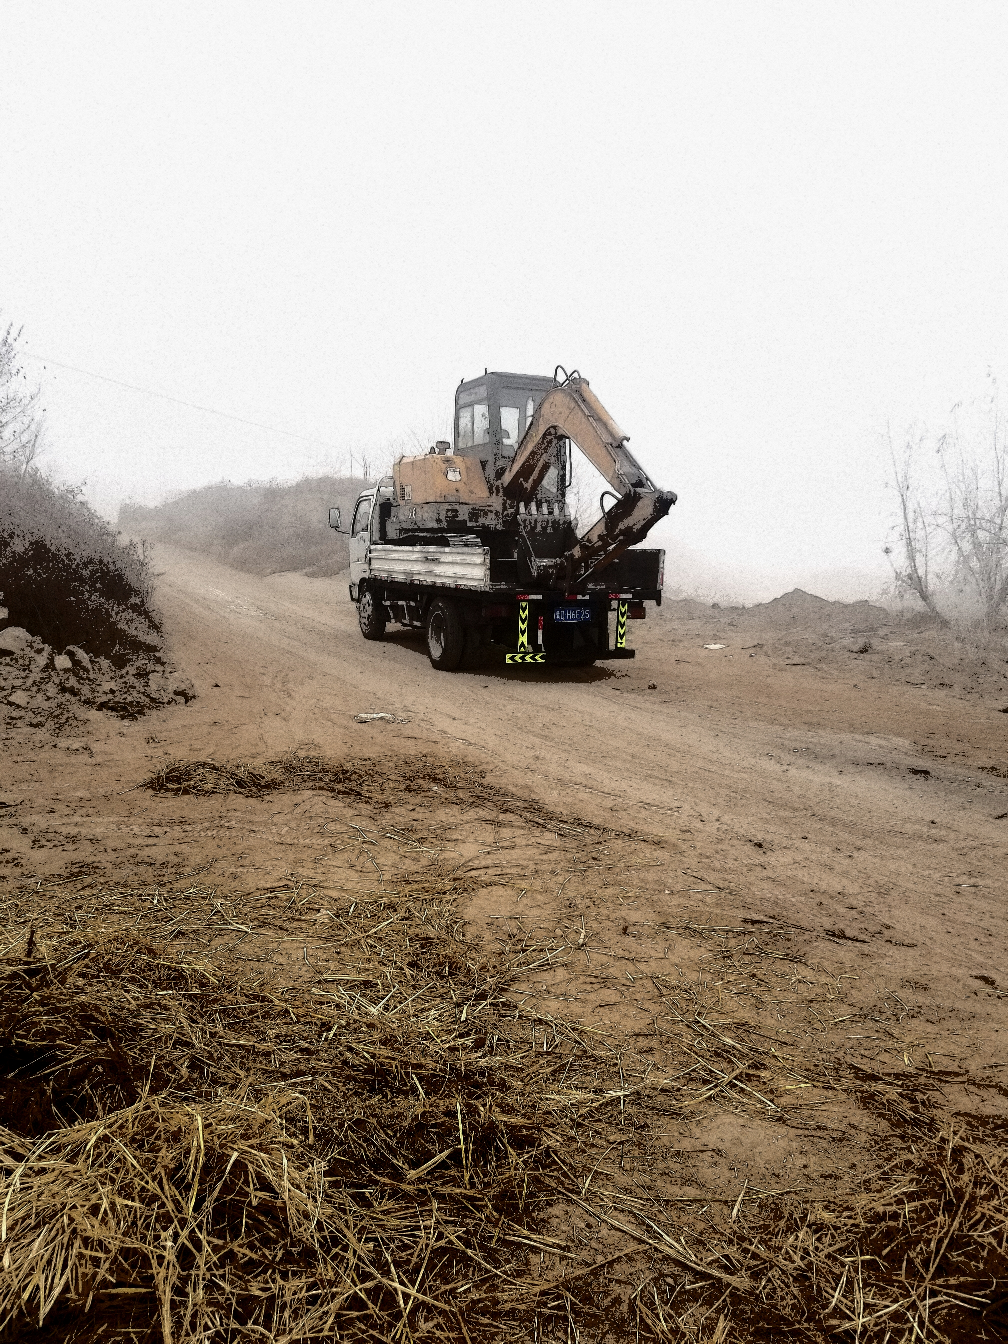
(445, 636)
(371, 615)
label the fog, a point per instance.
(763, 233)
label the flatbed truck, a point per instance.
(474, 544)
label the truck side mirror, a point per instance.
(334, 519)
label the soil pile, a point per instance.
(793, 612)
(860, 639)
(799, 609)
(66, 575)
(54, 691)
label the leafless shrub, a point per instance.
(259, 528)
(917, 526)
(974, 515)
(952, 529)
(21, 412)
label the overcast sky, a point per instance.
(763, 232)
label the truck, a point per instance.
(473, 542)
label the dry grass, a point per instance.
(914, 1243)
(211, 1132)
(918, 1253)
(316, 1110)
(376, 781)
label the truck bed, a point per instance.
(467, 567)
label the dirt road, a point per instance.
(827, 795)
(808, 797)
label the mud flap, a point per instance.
(621, 650)
(621, 619)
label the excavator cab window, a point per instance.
(481, 423)
(510, 416)
(473, 425)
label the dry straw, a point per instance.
(208, 1137)
(318, 1111)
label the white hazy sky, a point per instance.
(762, 231)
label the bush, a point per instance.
(258, 528)
(65, 574)
(21, 416)
(952, 548)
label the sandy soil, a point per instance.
(829, 788)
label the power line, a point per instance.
(177, 401)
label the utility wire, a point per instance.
(177, 401)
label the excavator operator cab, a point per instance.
(492, 414)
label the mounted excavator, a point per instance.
(474, 538)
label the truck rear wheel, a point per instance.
(371, 615)
(445, 636)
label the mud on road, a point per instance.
(769, 874)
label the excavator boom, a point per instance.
(572, 411)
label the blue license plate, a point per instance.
(571, 615)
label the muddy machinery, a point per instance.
(468, 539)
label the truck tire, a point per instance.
(371, 615)
(445, 636)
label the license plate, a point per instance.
(571, 615)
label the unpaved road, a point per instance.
(823, 794)
(792, 788)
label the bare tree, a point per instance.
(974, 515)
(21, 415)
(953, 529)
(917, 526)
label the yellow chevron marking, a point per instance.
(525, 657)
(621, 619)
(522, 625)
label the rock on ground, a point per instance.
(43, 690)
(13, 641)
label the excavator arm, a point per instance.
(572, 411)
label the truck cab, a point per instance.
(368, 526)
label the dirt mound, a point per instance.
(787, 614)
(799, 608)
(66, 575)
(50, 690)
